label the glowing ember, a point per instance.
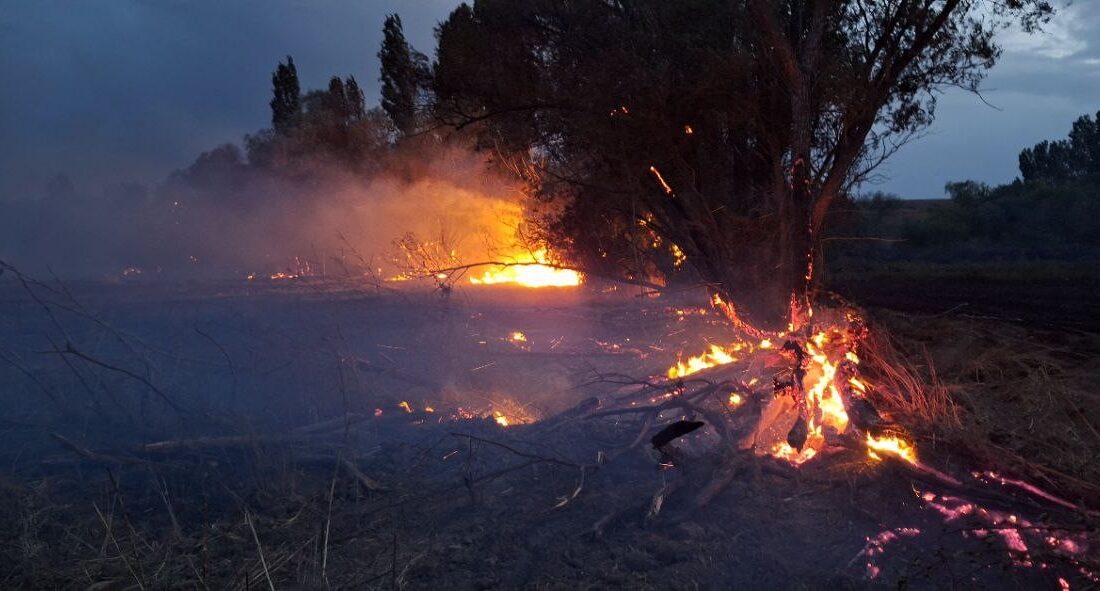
(529, 270)
(876, 546)
(518, 337)
(405, 406)
(735, 399)
(678, 256)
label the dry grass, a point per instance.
(1021, 399)
(904, 387)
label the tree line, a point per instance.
(1052, 209)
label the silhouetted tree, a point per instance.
(727, 128)
(286, 102)
(1076, 157)
(337, 100)
(403, 73)
(356, 102)
(968, 193)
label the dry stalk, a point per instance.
(900, 386)
(110, 535)
(259, 548)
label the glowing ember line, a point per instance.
(660, 179)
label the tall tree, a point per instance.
(356, 103)
(725, 128)
(336, 101)
(403, 73)
(286, 100)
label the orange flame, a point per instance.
(892, 445)
(529, 270)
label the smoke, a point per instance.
(223, 217)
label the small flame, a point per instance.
(891, 445)
(784, 451)
(715, 356)
(405, 406)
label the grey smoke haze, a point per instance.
(115, 90)
(223, 219)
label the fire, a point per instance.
(784, 451)
(529, 270)
(509, 413)
(714, 357)
(812, 399)
(891, 445)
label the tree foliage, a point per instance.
(403, 74)
(319, 129)
(1075, 158)
(285, 104)
(725, 128)
(1053, 210)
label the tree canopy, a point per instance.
(1076, 157)
(403, 74)
(719, 130)
(285, 105)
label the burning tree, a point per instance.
(716, 132)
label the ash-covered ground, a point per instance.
(311, 435)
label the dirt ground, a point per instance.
(293, 465)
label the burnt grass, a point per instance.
(309, 487)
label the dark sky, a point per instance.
(113, 90)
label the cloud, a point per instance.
(1068, 35)
(1043, 82)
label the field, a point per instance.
(278, 435)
